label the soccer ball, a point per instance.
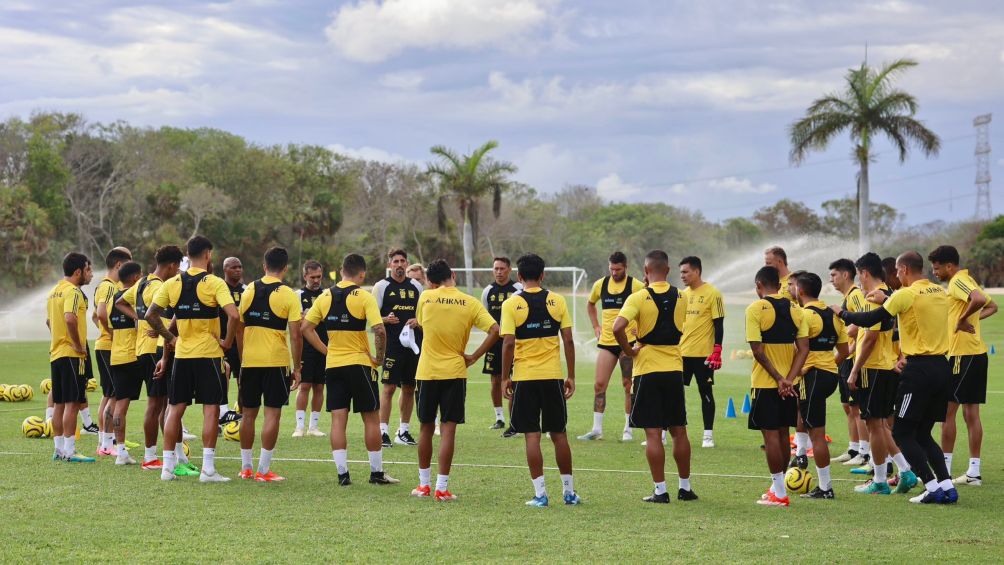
(184, 446)
(92, 385)
(33, 426)
(797, 480)
(232, 431)
(48, 428)
(45, 386)
(27, 392)
(17, 393)
(3, 392)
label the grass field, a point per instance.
(98, 512)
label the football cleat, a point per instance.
(385, 440)
(444, 495)
(404, 438)
(152, 465)
(863, 470)
(230, 416)
(657, 498)
(627, 435)
(907, 480)
(381, 478)
(967, 480)
(928, 497)
(951, 496)
(187, 436)
(422, 491)
(205, 477)
(538, 501)
(707, 442)
(872, 487)
(78, 458)
(91, 430)
(800, 461)
(591, 435)
(772, 499)
(498, 425)
(572, 499)
(846, 456)
(105, 451)
(686, 495)
(344, 480)
(298, 432)
(131, 444)
(509, 432)
(245, 474)
(268, 477)
(166, 475)
(857, 460)
(127, 460)
(185, 470)
(314, 432)
(819, 494)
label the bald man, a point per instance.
(233, 275)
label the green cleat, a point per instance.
(907, 480)
(872, 487)
(131, 444)
(186, 470)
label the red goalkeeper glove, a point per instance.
(714, 361)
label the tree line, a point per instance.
(70, 184)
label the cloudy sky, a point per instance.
(662, 100)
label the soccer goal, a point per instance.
(570, 282)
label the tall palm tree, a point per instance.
(467, 179)
(870, 105)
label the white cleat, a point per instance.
(856, 461)
(314, 432)
(166, 475)
(591, 435)
(214, 478)
(187, 436)
(844, 457)
(298, 432)
(708, 442)
(967, 480)
(128, 460)
(627, 435)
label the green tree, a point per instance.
(739, 231)
(992, 230)
(467, 179)
(786, 217)
(869, 105)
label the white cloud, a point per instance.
(407, 80)
(368, 153)
(741, 186)
(372, 31)
(612, 187)
(549, 167)
(678, 188)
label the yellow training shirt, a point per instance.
(822, 360)
(959, 289)
(123, 341)
(197, 338)
(883, 355)
(854, 301)
(640, 308)
(704, 306)
(144, 343)
(447, 316)
(608, 315)
(784, 289)
(66, 298)
(760, 318)
(266, 347)
(347, 347)
(922, 309)
(535, 359)
(103, 295)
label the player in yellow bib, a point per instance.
(104, 295)
(126, 376)
(777, 258)
(967, 355)
(842, 275)
(610, 292)
(703, 332)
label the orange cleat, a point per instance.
(245, 474)
(422, 491)
(268, 477)
(445, 495)
(772, 499)
(154, 465)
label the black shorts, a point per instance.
(105, 372)
(200, 379)
(876, 393)
(128, 380)
(538, 406)
(69, 383)
(312, 370)
(352, 384)
(233, 358)
(614, 349)
(768, 411)
(695, 367)
(399, 367)
(445, 397)
(88, 373)
(493, 360)
(817, 385)
(658, 401)
(270, 383)
(969, 378)
(924, 389)
(155, 388)
(846, 396)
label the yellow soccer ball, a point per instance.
(48, 428)
(45, 386)
(92, 385)
(798, 481)
(184, 446)
(232, 431)
(27, 391)
(3, 392)
(33, 426)
(16, 393)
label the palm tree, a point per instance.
(466, 179)
(869, 105)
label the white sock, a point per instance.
(48, 412)
(627, 422)
(101, 439)
(384, 428)
(597, 422)
(663, 436)
(404, 427)
(685, 483)
(801, 443)
(777, 479)
(974, 467)
(123, 453)
(224, 408)
(179, 452)
(425, 477)
(442, 482)
(376, 461)
(498, 413)
(69, 445)
(341, 458)
(209, 460)
(85, 415)
(880, 473)
(314, 417)
(948, 462)
(946, 485)
(708, 434)
(901, 463)
(149, 453)
(170, 461)
(865, 448)
(853, 446)
(539, 488)
(264, 460)
(660, 488)
(567, 484)
(58, 441)
(301, 416)
(246, 459)
(931, 485)
(824, 477)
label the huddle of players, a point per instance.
(916, 355)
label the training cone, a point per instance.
(730, 411)
(746, 404)
(993, 350)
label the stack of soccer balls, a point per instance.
(33, 426)
(16, 393)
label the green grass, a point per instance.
(62, 512)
